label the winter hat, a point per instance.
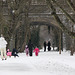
(8, 50)
(26, 46)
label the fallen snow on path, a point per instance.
(46, 63)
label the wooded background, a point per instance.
(39, 20)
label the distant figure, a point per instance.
(44, 46)
(3, 44)
(26, 50)
(36, 50)
(9, 53)
(30, 46)
(15, 53)
(49, 44)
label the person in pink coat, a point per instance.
(9, 53)
(27, 50)
(36, 50)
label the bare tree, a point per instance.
(63, 28)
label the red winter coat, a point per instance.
(36, 50)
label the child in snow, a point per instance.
(36, 50)
(9, 53)
(15, 52)
(27, 50)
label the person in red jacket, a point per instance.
(36, 50)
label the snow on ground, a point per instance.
(46, 63)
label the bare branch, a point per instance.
(72, 34)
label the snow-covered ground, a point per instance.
(46, 63)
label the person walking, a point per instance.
(30, 46)
(36, 50)
(27, 50)
(44, 46)
(3, 44)
(49, 44)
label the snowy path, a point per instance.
(47, 63)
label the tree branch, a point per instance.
(71, 5)
(67, 15)
(72, 34)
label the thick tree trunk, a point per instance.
(27, 23)
(12, 43)
(24, 43)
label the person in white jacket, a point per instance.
(3, 44)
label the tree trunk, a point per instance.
(59, 42)
(62, 41)
(12, 43)
(72, 47)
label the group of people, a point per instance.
(47, 44)
(29, 49)
(13, 53)
(4, 52)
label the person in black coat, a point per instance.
(14, 53)
(49, 44)
(44, 46)
(30, 46)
